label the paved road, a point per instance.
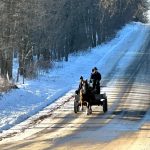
(125, 126)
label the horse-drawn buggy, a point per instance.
(88, 97)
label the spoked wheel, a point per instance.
(76, 106)
(105, 105)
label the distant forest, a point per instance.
(38, 32)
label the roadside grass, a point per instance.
(6, 85)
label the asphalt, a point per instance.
(127, 116)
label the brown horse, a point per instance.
(85, 97)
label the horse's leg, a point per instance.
(81, 105)
(90, 108)
(81, 100)
(87, 108)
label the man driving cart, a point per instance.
(95, 80)
(91, 95)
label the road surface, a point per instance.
(126, 125)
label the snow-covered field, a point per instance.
(18, 105)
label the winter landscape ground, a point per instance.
(39, 115)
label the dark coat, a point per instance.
(95, 77)
(79, 88)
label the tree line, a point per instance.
(44, 31)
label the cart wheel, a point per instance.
(105, 106)
(76, 107)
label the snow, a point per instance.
(32, 97)
(148, 13)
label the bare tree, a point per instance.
(47, 30)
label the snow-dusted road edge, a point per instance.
(34, 120)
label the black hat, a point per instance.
(81, 77)
(95, 68)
